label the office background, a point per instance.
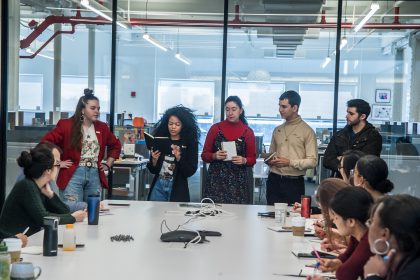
(158, 54)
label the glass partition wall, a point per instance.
(170, 53)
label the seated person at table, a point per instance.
(371, 173)
(73, 205)
(348, 163)
(349, 210)
(394, 231)
(332, 241)
(32, 198)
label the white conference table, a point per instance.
(246, 249)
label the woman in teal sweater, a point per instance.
(32, 198)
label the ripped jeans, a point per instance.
(84, 182)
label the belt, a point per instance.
(88, 164)
(163, 177)
(289, 176)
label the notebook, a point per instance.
(162, 144)
(230, 148)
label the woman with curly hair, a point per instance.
(172, 170)
(84, 140)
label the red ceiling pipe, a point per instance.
(48, 41)
(396, 15)
(235, 23)
(323, 20)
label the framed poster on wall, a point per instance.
(381, 112)
(383, 96)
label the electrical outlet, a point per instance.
(129, 149)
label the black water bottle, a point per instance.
(50, 236)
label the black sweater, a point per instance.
(26, 207)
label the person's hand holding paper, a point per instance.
(230, 148)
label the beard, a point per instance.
(353, 123)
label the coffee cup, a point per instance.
(14, 247)
(298, 226)
(280, 213)
(24, 271)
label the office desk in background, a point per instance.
(246, 249)
(138, 170)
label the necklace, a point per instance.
(288, 134)
(86, 131)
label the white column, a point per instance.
(57, 76)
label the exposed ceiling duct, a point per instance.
(287, 39)
(286, 22)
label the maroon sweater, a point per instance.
(354, 258)
(231, 131)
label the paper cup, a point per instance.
(280, 213)
(298, 226)
(14, 246)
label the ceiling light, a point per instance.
(182, 58)
(326, 62)
(150, 39)
(86, 4)
(373, 8)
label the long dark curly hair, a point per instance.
(76, 130)
(190, 131)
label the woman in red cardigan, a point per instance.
(228, 180)
(83, 139)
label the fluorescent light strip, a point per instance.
(150, 39)
(373, 8)
(182, 58)
(326, 62)
(85, 3)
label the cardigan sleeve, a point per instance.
(250, 147)
(188, 163)
(207, 154)
(113, 144)
(56, 135)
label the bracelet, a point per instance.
(106, 165)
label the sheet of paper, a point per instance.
(230, 148)
(32, 250)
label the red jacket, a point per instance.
(61, 136)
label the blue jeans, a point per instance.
(84, 182)
(162, 190)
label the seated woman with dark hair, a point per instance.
(347, 164)
(371, 173)
(332, 241)
(394, 232)
(32, 198)
(349, 210)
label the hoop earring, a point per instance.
(377, 242)
(82, 117)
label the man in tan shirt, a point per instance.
(294, 143)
